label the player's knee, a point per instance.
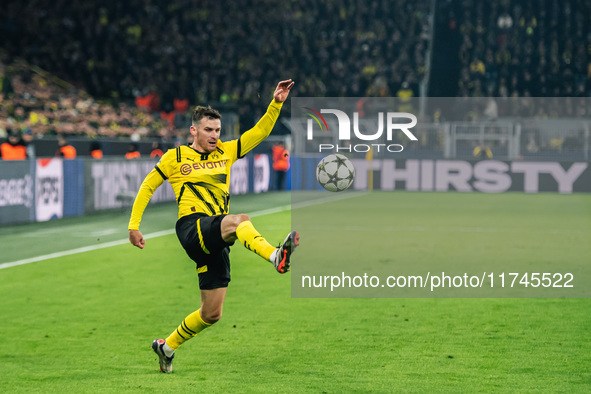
(231, 222)
(212, 317)
(235, 220)
(242, 218)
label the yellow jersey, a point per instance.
(201, 181)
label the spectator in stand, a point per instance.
(482, 152)
(280, 165)
(95, 150)
(156, 150)
(491, 110)
(133, 151)
(65, 150)
(27, 141)
(13, 149)
(405, 94)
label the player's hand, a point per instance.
(137, 239)
(282, 90)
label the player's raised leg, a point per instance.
(240, 227)
(212, 302)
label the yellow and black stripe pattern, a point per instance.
(189, 327)
(184, 331)
(201, 181)
(201, 240)
(209, 200)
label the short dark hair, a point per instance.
(201, 112)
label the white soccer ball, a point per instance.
(335, 173)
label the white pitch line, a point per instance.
(64, 253)
(163, 233)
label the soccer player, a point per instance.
(200, 177)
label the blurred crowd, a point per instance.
(209, 52)
(134, 68)
(522, 48)
(35, 103)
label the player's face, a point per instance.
(206, 135)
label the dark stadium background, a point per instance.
(85, 65)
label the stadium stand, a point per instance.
(133, 69)
(36, 100)
(519, 48)
(214, 53)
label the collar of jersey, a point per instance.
(201, 153)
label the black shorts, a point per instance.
(201, 236)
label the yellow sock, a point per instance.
(191, 326)
(253, 240)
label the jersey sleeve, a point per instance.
(165, 165)
(259, 132)
(153, 180)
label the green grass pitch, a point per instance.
(385, 234)
(85, 322)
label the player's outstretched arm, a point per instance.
(264, 126)
(282, 90)
(152, 182)
(137, 239)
